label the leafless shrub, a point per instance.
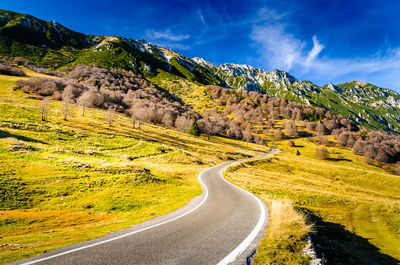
(7, 68)
(322, 153)
(109, 115)
(278, 134)
(291, 129)
(66, 109)
(321, 130)
(291, 143)
(44, 108)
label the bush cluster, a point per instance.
(240, 114)
(6, 68)
(36, 68)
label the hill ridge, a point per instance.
(53, 45)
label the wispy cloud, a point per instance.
(169, 39)
(166, 35)
(316, 49)
(276, 46)
(202, 18)
(279, 48)
(174, 46)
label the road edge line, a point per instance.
(231, 257)
(205, 193)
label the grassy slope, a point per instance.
(356, 207)
(67, 181)
(193, 94)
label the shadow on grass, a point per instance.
(305, 134)
(5, 134)
(339, 159)
(336, 245)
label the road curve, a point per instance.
(223, 226)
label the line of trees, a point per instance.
(36, 68)
(373, 145)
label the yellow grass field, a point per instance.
(63, 182)
(355, 207)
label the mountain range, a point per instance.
(52, 45)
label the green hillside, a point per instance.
(52, 45)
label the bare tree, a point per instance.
(90, 98)
(383, 156)
(183, 124)
(169, 118)
(311, 126)
(290, 129)
(343, 138)
(370, 152)
(321, 139)
(247, 135)
(44, 108)
(110, 114)
(66, 109)
(71, 92)
(321, 130)
(278, 134)
(358, 147)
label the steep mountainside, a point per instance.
(52, 45)
(369, 105)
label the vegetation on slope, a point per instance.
(64, 182)
(249, 116)
(52, 45)
(83, 168)
(354, 206)
(284, 242)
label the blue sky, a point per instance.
(321, 41)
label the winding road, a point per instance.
(222, 226)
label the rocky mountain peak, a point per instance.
(334, 88)
(279, 75)
(203, 63)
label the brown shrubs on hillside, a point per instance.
(291, 143)
(322, 153)
(246, 114)
(290, 129)
(7, 68)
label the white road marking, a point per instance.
(131, 233)
(231, 256)
(253, 234)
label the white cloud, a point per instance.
(277, 47)
(317, 48)
(201, 17)
(174, 45)
(280, 49)
(165, 35)
(336, 67)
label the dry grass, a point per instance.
(356, 206)
(62, 182)
(286, 235)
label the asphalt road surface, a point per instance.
(222, 226)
